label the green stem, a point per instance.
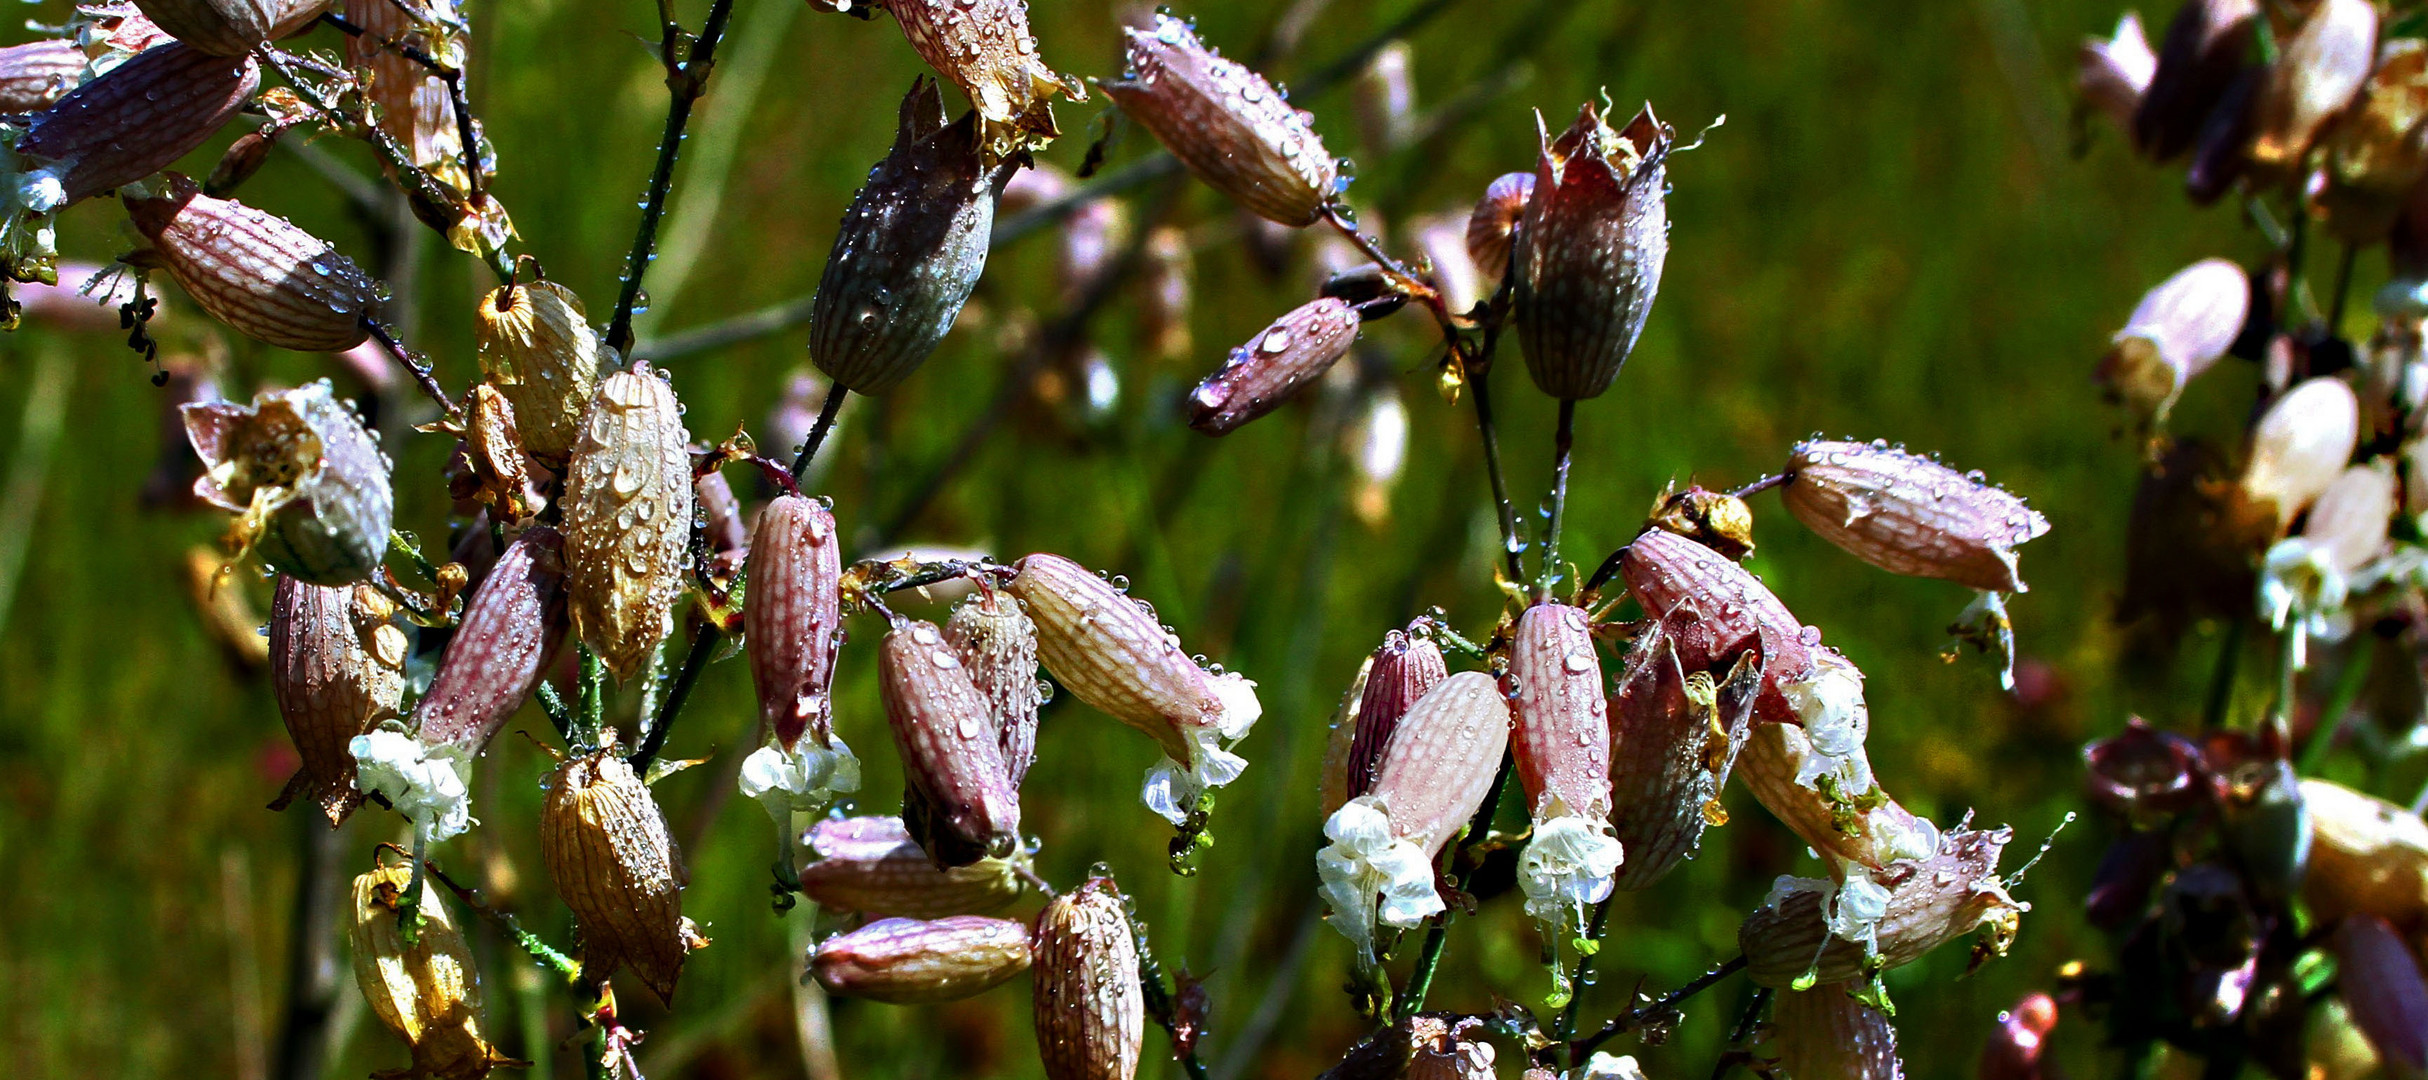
(2221, 679)
(835, 393)
(1567, 1024)
(687, 81)
(2347, 692)
(546, 955)
(2282, 715)
(1429, 957)
(1562, 443)
(591, 719)
(654, 740)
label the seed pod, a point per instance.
(2299, 447)
(2380, 982)
(428, 992)
(36, 73)
(1296, 350)
(1108, 650)
(1732, 611)
(413, 104)
(2179, 330)
(628, 518)
(1226, 123)
(1674, 736)
(231, 27)
(1817, 779)
(1588, 255)
(608, 851)
(311, 485)
(1435, 771)
(510, 633)
(997, 645)
(536, 346)
(1448, 1049)
(2317, 71)
(135, 120)
(910, 250)
(2202, 52)
(961, 805)
(2015, 1050)
(2367, 856)
(1825, 1034)
(2112, 73)
(871, 865)
(1091, 1009)
(2376, 154)
(910, 962)
(985, 48)
(1910, 515)
(793, 617)
(259, 274)
(337, 666)
(1405, 669)
(1493, 221)
(1811, 932)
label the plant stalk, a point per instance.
(687, 81)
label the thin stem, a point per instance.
(2343, 288)
(654, 740)
(1429, 957)
(1637, 1017)
(1760, 486)
(1567, 1024)
(2221, 679)
(1563, 441)
(2287, 662)
(2330, 723)
(540, 951)
(835, 393)
(1479, 386)
(415, 365)
(590, 718)
(687, 81)
(1162, 1006)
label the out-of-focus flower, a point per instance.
(2016, 1049)
(2203, 51)
(2299, 447)
(2113, 72)
(2367, 856)
(2378, 151)
(2179, 330)
(2380, 981)
(1814, 932)
(2312, 575)
(2145, 771)
(2317, 71)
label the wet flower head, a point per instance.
(309, 484)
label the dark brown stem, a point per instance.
(1562, 442)
(702, 647)
(1760, 486)
(1637, 1017)
(835, 393)
(312, 978)
(415, 365)
(687, 80)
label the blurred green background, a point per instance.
(1896, 234)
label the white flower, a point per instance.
(28, 243)
(2298, 578)
(426, 784)
(1603, 1066)
(1830, 703)
(805, 779)
(1370, 875)
(1568, 864)
(1172, 789)
(1861, 904)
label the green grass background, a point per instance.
(1892, 237)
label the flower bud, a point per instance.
(2113, 73)
(1435, 772)
(1675, 733)
(231, 27)
(985, 48)
(1812, 931)
(1731, 610)
(1089, 1003)
(1910, 515)
(36, 73)
(1560, 743)
(1448, 1049)
(2299, 447)
(614, 863)
(628, 507)
(135, 120)
(1491, 225)
(2015, 1050)
(997, 645)
(1226, 123)
(1816, 777)
(510, 633)
(2380, 982)
(2374, 154)
(910, 962)
(871, 865)
(1826, 1034)
(2180, 328)
(2144, 772)
(2367, 856)
(1108, 650)
(1297, 349)
(427, 992)
(792, 619)
(2317, 71)
(310, 484)
(537, 347)
(1588, 255)
(1400, 674)
(2202, 52)
(259, 274)
(961, 805)
(337, 667)
(909, 252)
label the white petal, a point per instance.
(1570, 862)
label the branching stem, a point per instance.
(687, 81)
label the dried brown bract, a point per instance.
(985, 48)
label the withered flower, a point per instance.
(495, 469)
(309, 484)
(1815, 775)
(231, 27)
(985, 48)
(1589, 250)
(1731, 611)
(537, 347)
(1814, 931)
(1296, 350)
(615, 865)
(1675, 734)
(428, 992)
(910, 250)
(960, 804)
(1233, 129)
